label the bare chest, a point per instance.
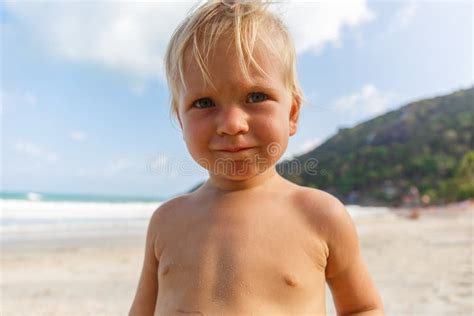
(266, 256)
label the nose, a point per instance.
(232, 121)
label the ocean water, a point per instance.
(32, 214)
(37, 215)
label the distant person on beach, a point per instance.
(247, 242)
(413, 202)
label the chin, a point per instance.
(238, 170)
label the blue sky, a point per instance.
(84, 104)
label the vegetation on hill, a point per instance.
(426, 144)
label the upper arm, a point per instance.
(147, 291)
(346, 273)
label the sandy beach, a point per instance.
(421, 266)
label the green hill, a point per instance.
(421, 144)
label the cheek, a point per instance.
(275, 125)
(195, 135)
(189, 125)
(274, 133)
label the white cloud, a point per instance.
(131, 36)
(317, 23)
(166, 167)
(160, 163)
(403, 17)
(118, 166)
(139, 89)
(30, 99)
(367, 102)
(79, 136)
(10, 99)
(309, 144)
(126, 36)
(32, 150)
(301, 147)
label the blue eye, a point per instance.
(203, 103)
(256, 97)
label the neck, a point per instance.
(265, 178)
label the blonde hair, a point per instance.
(244, 22)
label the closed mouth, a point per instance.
(234, 149)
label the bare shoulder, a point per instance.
(169, 209)
(315, 197)
(325, 213)
(322, 209)
(164, 219)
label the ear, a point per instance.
(294, 114)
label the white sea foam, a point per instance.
(44, 216)
(32, 196)
(21, 209)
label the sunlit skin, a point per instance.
(248, 242)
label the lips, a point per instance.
(233, 149)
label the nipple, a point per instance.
(290, 280)
(166, 269)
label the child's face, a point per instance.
(240, 128)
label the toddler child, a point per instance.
(247, 242)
